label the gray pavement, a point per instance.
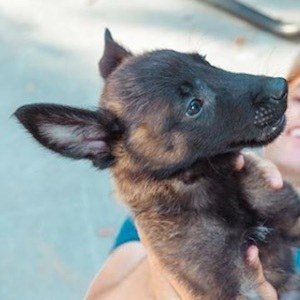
(59, 217)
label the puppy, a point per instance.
(169, 127)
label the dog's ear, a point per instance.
(113, 55)
(72, 132)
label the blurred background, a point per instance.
(58, 217)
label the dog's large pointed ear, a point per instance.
(72, 132)
(113, 55)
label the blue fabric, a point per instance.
(127, 233)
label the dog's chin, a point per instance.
(266, 136)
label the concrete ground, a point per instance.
(59, 217)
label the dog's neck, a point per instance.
(143, 191)
(167, 209)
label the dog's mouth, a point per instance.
(266, 135)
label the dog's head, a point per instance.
(167, 109)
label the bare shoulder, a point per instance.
(125, 273)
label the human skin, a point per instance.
(284, 152)
(134, 272)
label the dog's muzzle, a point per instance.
(269, 113)
(270, 119)
(272, 103)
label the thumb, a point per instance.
(264, 289)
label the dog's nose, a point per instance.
(271, 101)
(276, 88)
(271, 90)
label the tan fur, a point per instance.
(112, 105)
(159, 148)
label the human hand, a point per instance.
(165, 286)
(265, 290)
(270, 171)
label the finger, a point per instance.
(270, 171)
(252, 257)
(240, 162)
(272, 174)
(265, 290)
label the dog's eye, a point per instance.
(194, 108)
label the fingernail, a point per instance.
(275, 182)
(240, 161)
(252, 254)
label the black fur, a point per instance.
(176, 171)
(89, 126)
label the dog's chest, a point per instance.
(223, 198)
